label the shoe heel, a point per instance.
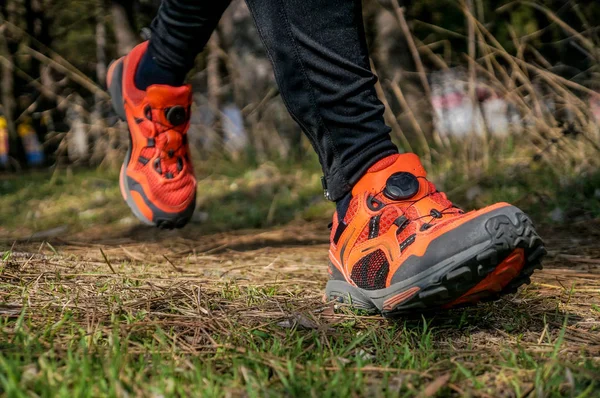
(114, 82)
(343, 292)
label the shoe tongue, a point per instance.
(170, 105)
(397, 173)
(163, 96)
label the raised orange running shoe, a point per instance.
(403, 247)
(157, 178)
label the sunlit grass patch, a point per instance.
(253, 322)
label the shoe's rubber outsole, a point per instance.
(160, 219)
(482, 274)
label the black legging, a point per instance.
(321, 63)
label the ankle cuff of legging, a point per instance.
(336, 185)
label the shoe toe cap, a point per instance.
(457, 242)
(170, 204)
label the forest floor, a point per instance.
(122, 310)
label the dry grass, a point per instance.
(241, 314)
(102, 313)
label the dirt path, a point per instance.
(203, 290)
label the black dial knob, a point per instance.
(401, 186)
(176, 115)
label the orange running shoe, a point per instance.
(403, 247)
(157, 178)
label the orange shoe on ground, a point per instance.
(402, 247)
(157, 178)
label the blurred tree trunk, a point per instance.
(8, 82)
(214, 82)
(100, 47)
(7, 100)
(77, 138)
(36, 100)
(123, 25)
(101, 147)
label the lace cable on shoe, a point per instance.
(161, 137)
(434, 214)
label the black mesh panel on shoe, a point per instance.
(371, 271)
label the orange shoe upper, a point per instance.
(381, 230)
(158, 120)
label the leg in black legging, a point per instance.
(321, 63)
(179, 33)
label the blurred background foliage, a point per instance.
(499, 97)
